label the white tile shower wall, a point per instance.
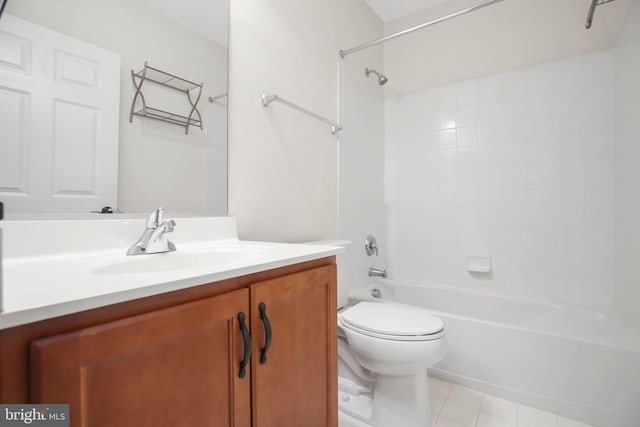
(516, 166)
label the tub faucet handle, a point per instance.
(371, 246)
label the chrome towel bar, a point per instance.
(269, 98)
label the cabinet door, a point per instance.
(296, 385)
(173, 367)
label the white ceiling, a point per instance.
(207, 17)
(388, 10)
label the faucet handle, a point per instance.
(155, 218)
(371, 246)
(169, 225)
(159, 216)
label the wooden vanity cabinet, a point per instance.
(294, 383)
(179, 364)
(175, 367)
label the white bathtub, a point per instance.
(564, 359)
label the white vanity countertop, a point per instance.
(55, 282)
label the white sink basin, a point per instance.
(58, 267)
(181, 260)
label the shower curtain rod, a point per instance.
(344, 53)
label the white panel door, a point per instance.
(59, 116)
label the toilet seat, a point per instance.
(390, 321)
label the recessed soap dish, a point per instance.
(478, 264)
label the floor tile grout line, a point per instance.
(446, 397)
(479, 410)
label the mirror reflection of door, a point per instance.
(68, 146)
(59, 109)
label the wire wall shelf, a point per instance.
(592, 11)
(165, 116)
(192, 90)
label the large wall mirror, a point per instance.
(83, 123)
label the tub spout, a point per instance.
(377, 272)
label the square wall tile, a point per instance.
(598, 67)
(447, 139)
(541, 78)
(514, 131)
(489, 88)
(571, 123)
(570, 73)
(490, 112)
(514, 83)
(489, 134)
(540, 103)
(571, 99)
(447, 159)
(447, 98)
(447, 119)
(541, 172)
(467, 115)
(448, 197)
(514, 107)
(489, 196)
(541, 127)
(467, 93)
(467, 136)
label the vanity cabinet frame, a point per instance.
(300, 305)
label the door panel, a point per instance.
(60, 102)
(296, 386)
(173, 367)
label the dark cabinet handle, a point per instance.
(267, 329)
(247, 346)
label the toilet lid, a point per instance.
(392, 319)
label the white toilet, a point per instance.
(384, 350)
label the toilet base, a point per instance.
(402, 401)
(346, 420)
(354, 397)
(356, 407)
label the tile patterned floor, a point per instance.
(456, 406)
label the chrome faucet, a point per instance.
(377, 272)
(154, 238)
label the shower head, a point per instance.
(382, 79)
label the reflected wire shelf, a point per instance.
(171, 81)
(165, 116)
